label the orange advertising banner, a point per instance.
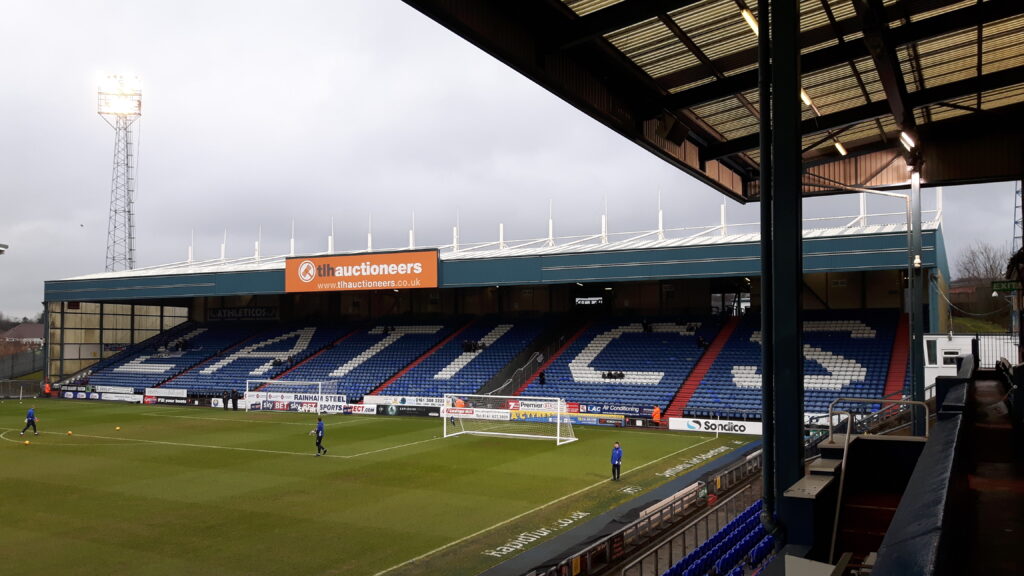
(397, 270)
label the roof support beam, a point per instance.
(617, 17)
(827, 57)
(926, 97)
(879, 41)
(696, 51)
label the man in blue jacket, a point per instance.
(616, 460)
(30, 420)
(319, 432)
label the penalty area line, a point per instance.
(528, 512)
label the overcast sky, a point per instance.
(257, 114)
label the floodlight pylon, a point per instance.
(119, 103)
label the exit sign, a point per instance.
(1005, 285)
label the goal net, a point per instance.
(515, 416)
(292, 396)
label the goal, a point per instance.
(544, 418)
(292, 396)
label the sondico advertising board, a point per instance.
(387, 270)
(712, 425)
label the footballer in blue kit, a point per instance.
(30, 420)
(319, 432)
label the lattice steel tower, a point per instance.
(119, 103)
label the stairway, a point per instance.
(553, 357)
(687, 390)
(898, 360)
(863, 521)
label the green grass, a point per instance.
(965, 325)
(203, 491)
(36, 376)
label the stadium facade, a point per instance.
(845, 268)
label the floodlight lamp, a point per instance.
(119, 95)
(995, 294)
(907, 141)
(842, 149)
(751, 21)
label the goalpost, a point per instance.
(538, 417)
(292, 396)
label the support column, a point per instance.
(765, 183)
(916, 304)
(787, 239)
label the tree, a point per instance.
(982, 261)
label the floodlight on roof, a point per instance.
(839, 146)
(119, 95)
(751, 21)
(907, 141)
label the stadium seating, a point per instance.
(741, 542)
(264, 355)
(167, 355)
(454, 370)
(846, 354)
(654, 361)
(369, 357)
(153, 344)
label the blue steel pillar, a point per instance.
(783, 246)
(767, 294)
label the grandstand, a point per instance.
(845, 355)
(359, 364)
(467, 362)
(639, 363)
(741, 545)
(614, 328)
(255, 354)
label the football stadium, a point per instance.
(786, 397)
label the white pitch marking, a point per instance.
(165, 415)
(4, 437)
(238, 448)
(528, 512)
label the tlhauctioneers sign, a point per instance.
(387, 270)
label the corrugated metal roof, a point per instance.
(719, 32)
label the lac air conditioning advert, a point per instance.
(397, 270)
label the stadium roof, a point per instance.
(709, 236)
(680, 78)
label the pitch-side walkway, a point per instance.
(579, 538)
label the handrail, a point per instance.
(517, 374)
(832, 411)
(842, 480)
(846, 448)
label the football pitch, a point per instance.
(202, 491)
